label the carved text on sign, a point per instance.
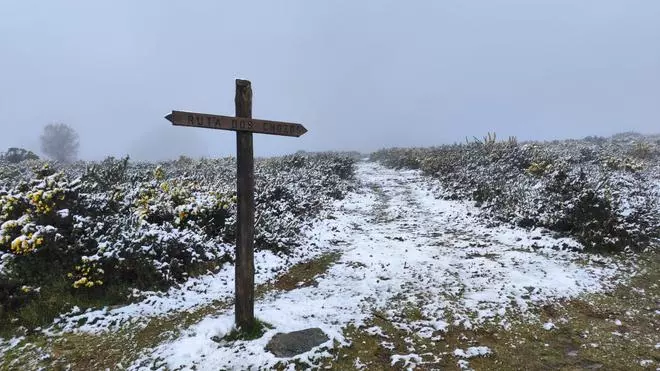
(203, 120)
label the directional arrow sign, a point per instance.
(203, 120)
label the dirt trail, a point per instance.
(389, 253)
(401, 248)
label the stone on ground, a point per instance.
(297, 342)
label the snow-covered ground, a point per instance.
(400, 246)
(193, 293)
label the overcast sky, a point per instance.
(360, 75)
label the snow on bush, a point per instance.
(148, 225)
(602, 191)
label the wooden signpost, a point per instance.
(244, 125)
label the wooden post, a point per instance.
(244, 125)
(244, 268)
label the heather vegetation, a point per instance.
(604, 192)
(488, 255)
(90, 234)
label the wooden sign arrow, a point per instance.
(203, 120)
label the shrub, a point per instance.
(622, 163)
(539, 168)
(641, 150)
(114, 225)
(608, 205)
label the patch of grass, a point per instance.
(257, 330)
(100, 351)
(586, 335)
(15, 358)
(412, 313)
(56, 298)
(302, 274)
(375, 351)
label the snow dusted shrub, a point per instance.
(590, 189)
(622, 163)
(400, 158)
(283, 210)
(586, 212)
(35, 219)
(642, 150)
(96, 226)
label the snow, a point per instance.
(376, 331)
(395, 238)
(358, 365)
(401, 248)
(4, 259)
(472, 352)
(409, 360)
(549, 326)
(7, 345)
(193, 293)
(463, 364)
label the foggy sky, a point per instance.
(360, 75)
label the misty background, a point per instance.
(360, 75)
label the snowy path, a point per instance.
(400, 247)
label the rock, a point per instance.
(297, 342)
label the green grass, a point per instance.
(412, 313)
(257, 330)
(56, 298)
(301, 275)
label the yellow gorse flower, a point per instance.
(88, 274)
(44, 200)
(159, 173)
(21, 246)
(80, 282)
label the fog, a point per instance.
(360, 75)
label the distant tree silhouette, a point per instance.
(60, 142)
(15, 155)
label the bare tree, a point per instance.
(60, 142)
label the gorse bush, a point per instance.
(605, 192)
(112, 224)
